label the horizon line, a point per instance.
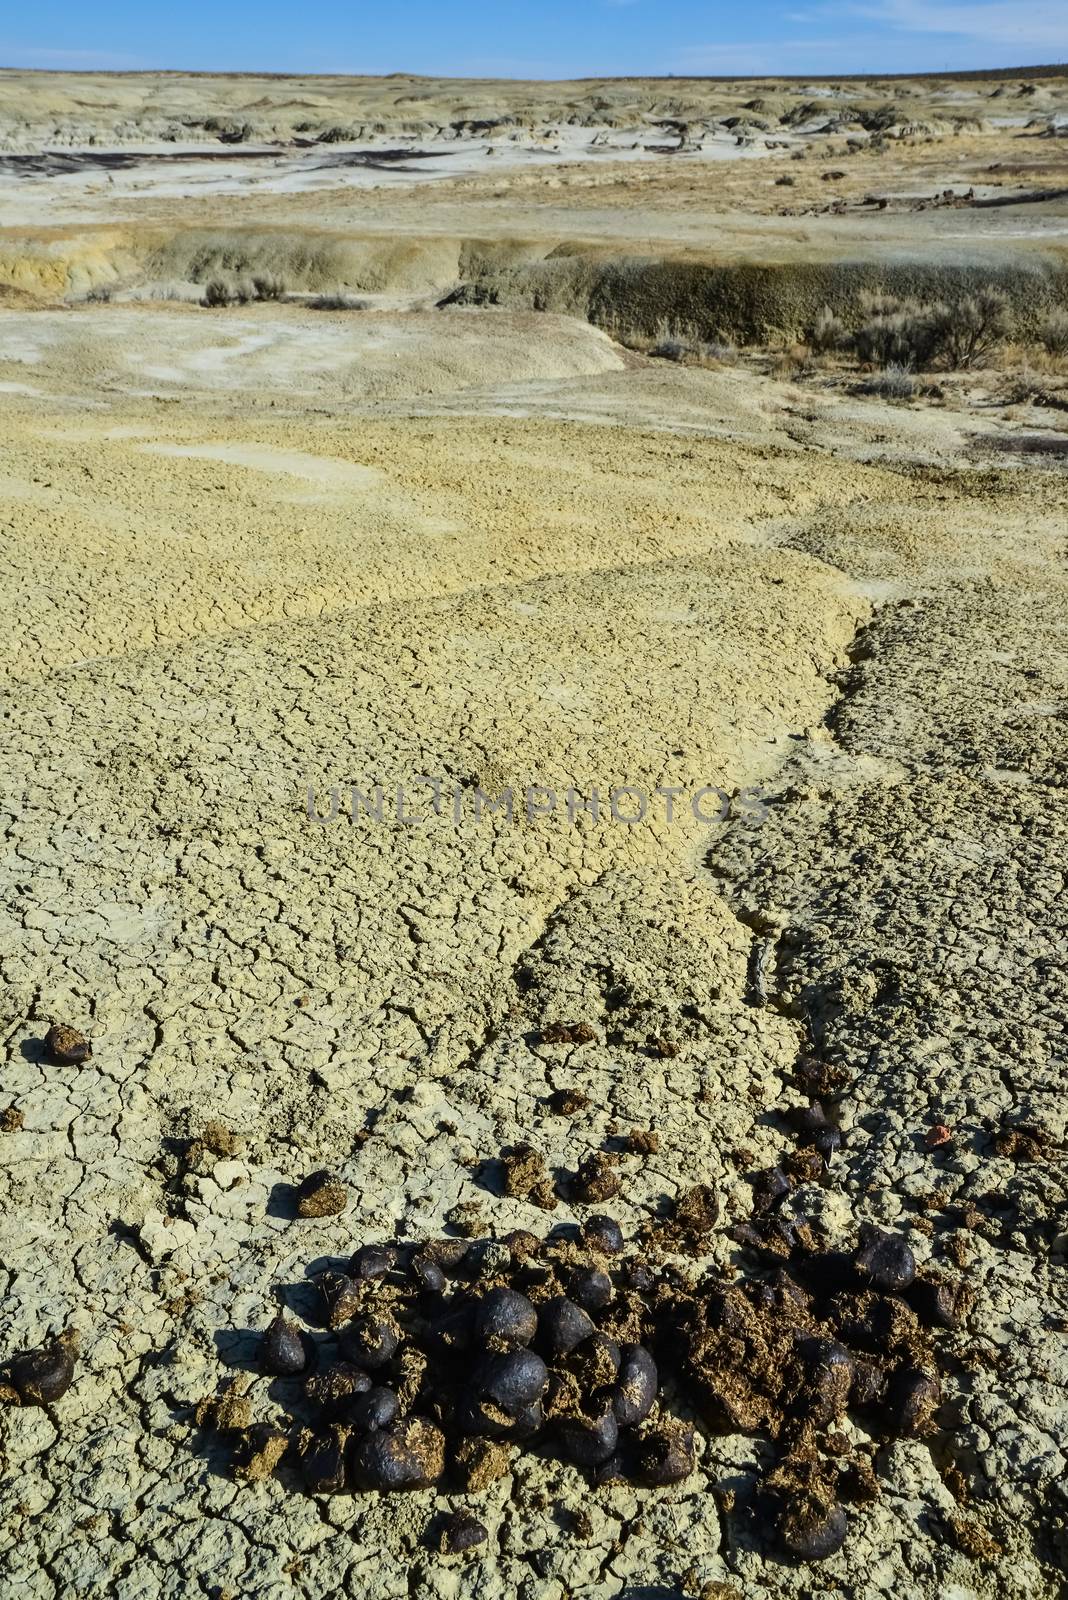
(1043, 69)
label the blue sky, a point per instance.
(551, 38)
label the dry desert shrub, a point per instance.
(1053, 332)
(906, 333)
(898, 333)
(971, 330)
(828, 333)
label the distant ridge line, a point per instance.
(974, 74)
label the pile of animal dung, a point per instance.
(439, 1360)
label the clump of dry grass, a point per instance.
(670, 349)
(891, 383)
(794, 361)
(682, 345)
(338, 302)
(242, 291)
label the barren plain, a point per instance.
(465, 438)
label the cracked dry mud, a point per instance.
(561, 565)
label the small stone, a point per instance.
(590, 1288)
(41, 1376)
(666, 1453)
(567, 1033)
(913, 1398)
(603, 1235)
(378, 1408)
(588, 1441)
(885, 1259)
(568, 1102)
(370, 1341)
(284, 1351)
(635, 1387)
(504, 1319)
(812, 1530)
(460, 1532)
(372, 1261)
(321, 1195)
(322, 1461)
(341, 1297)
(66, 1046)
(596, 1179)
(11, 1120)
(488, 1258)
(512, 1381)
(409, 1455)
(561, 1326)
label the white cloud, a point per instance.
(1010, 32)
(880, 36)
(1038, 25)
